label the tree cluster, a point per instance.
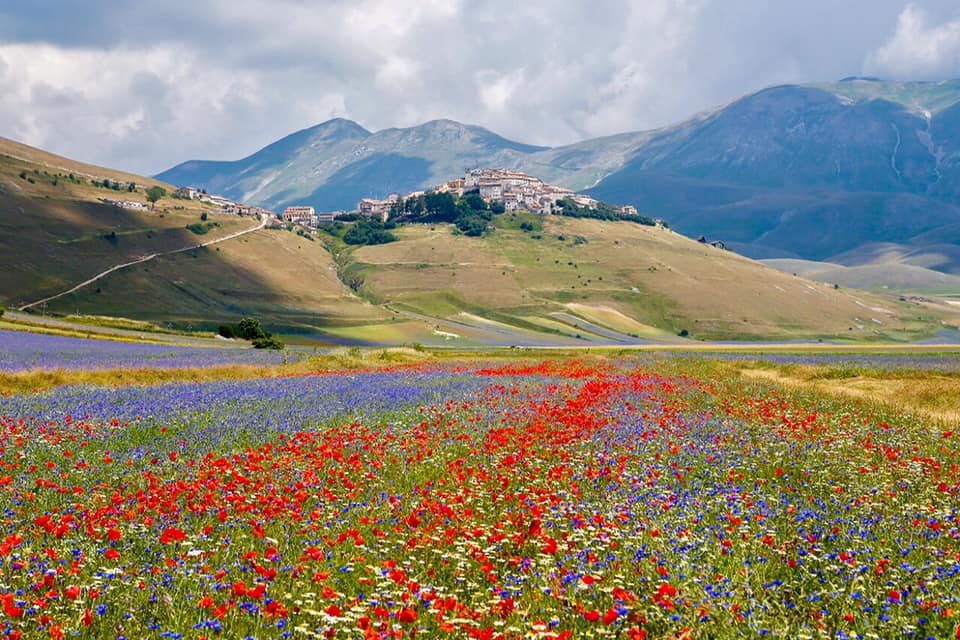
(250, 329)
(367, 232)
(154, 193)
(201, 228)
(567, 207)
(470, 213)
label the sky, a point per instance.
(144, 85)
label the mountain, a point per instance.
(535, 281)
(814, 172)
(333, 165)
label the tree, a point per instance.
(441, 206)
(154, 193)
(475, 202)
(472, 225)
(250, 329)
(366, 232)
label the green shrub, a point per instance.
(268, 342)
(367, 232)
(472, 224)
(202, 228)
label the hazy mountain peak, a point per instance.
(340, 125)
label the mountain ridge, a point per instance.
(751, 172)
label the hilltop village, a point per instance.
(511, 189)
(500, 189)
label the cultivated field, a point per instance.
(634, 281)
(407, 493)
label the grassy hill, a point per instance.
(614, 278)
(571, 282)
(892, 276)
(287, 281)
(56, 232)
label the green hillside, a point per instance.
(574, 281)
(287, 281)
(637, 281)
(55, 231)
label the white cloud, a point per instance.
(918, 49)
(497, 89)
(145, 85)
(93, 104)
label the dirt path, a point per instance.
(124, 265)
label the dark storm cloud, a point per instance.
(143, 85)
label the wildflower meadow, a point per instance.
(624, 498)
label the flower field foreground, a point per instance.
(548, 501)
(23, 351)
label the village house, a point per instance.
(453, 187)
(126, 204)
(378, 208)
(583, 201)
(491, 189)
(330, 216)
(301, 215)
(515, 190)
(218, 201)
(188, 193)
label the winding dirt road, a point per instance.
(118, 267)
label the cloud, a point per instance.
(918, 49)
(121, 105)
(145, 85)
